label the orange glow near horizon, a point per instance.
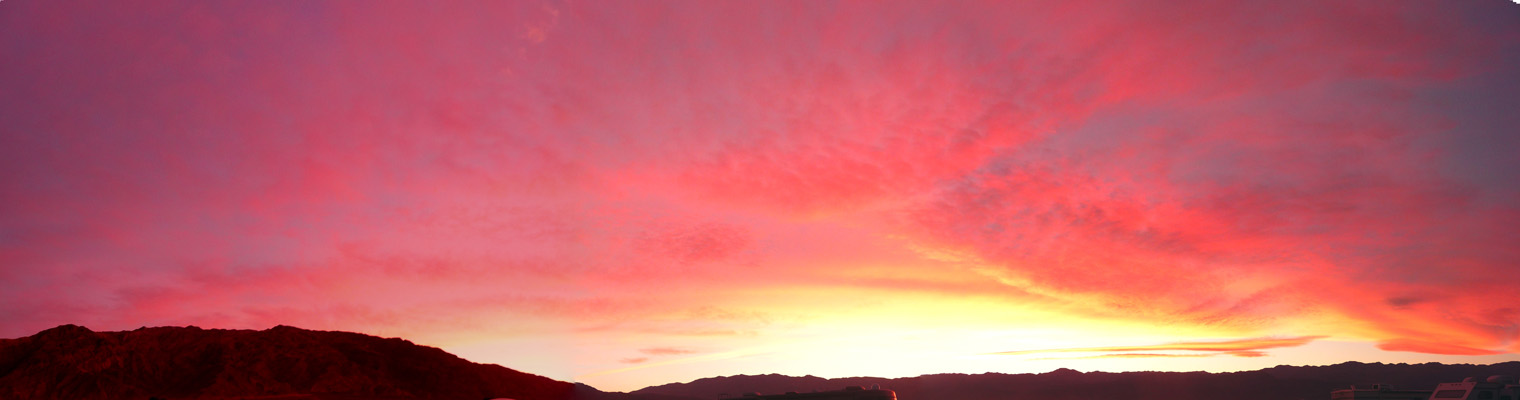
(637, 193)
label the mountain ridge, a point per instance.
(73, 362)
(1275, 383)
(284, 362)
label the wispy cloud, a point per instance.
(1239, 348)
(1248, 354)
(666, 351)
(1421, 346)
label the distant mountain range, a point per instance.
(72, 362)
(1276, 383)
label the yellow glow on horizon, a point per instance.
(837, 331)
(943, 312)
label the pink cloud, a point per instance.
(627, 167)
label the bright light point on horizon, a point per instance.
(631, 194)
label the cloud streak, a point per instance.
(1240, 348)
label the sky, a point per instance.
(633, 193)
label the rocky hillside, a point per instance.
(72, 362)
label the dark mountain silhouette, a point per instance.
(1276, 383)
(72, 362)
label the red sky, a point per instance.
(636, 193)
